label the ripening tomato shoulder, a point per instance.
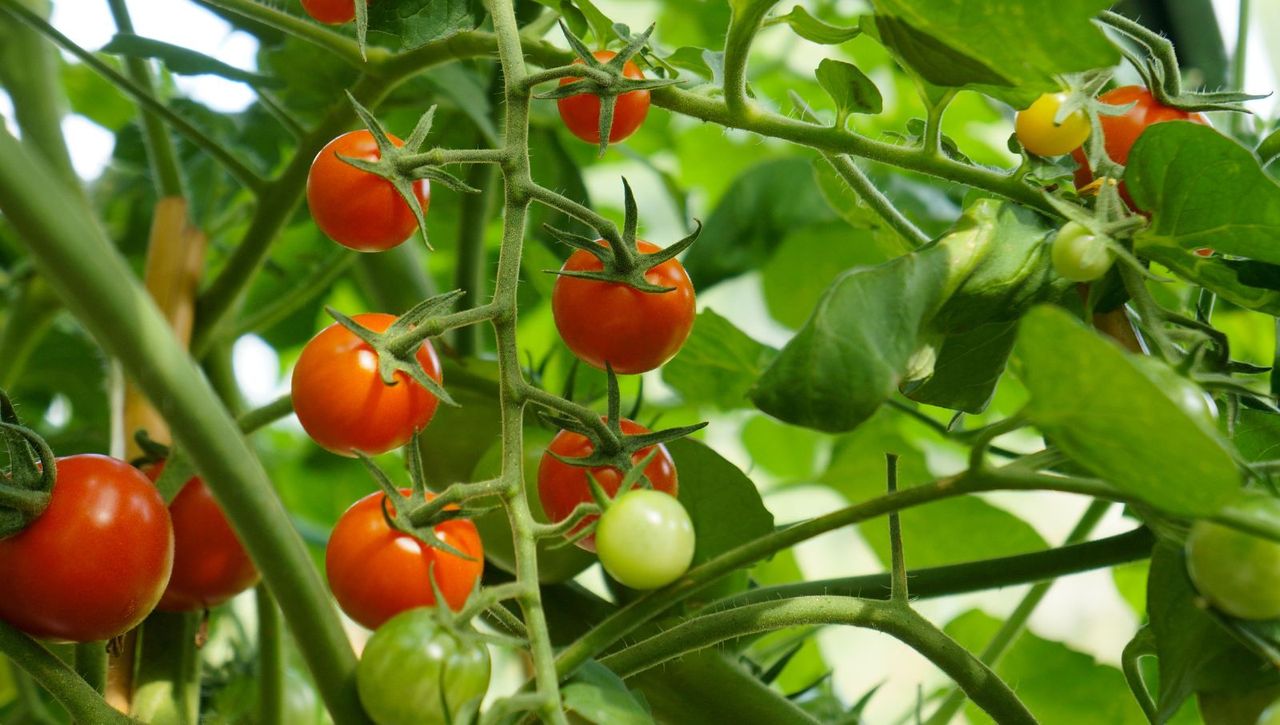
(561, 487)
(581, 113)
(210, 565)
(96, 561)
(1121, 132)
(632, 330)
(375, 572)
(357, 209)
(340, 398)
(333, 12)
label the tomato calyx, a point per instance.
(404, 166)
(619, 254)
(397, 347)
(26, 488)
(604, 80)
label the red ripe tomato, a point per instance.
(634, 331)
(581, 113)
(95, 563)
(340, 398)
(562, 487)
(376, 572)
(333, 12)
(355, 208)
(1121, 132)
(210, 564)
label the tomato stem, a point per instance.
(82, 702)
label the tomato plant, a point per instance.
(414, 670)
(341, 400)
(645, 539)
(1040, 133)
(210, 565)
(609, 322)
(921, 374)
(376, 572)
(354, 207)
(96, 561)
(581, 112)
(562, 486)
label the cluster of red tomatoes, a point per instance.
(1077, 253)
(107, 551)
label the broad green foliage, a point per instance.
(1094, 403)
(599, 696)
(718, 363)
(414, 23)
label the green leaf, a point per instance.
(1256, 435)
(1203, 190)
(418, 22)
(1092, 401)
(717, 365)
(813, 29)
(183, 61)
(93, 97)
(756, 212)
(968, 367)
(1057, 683)
(787, 451)
(849, 87)
(597, 695)
(1196, 654)
(725, 507)
(1013, 43)
(806, 262)
(1242, 282)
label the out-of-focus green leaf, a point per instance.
(91, 96)
(597, 695)
(813, 29)
(1099, 408)
(1203, 190)
(717, 364)
(184, 61)
(1058, 684)
(809, 258)
(786, 451)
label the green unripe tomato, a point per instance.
(645, 539)
(1080, 256)
(413, 669)
(1237, 572)
(1270, 716)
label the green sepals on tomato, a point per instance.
(1080, 255)
(632, 330)
(375, 572)
(210, 565)
(1238, 573)
(96, 561)
(1040, 133)
(416, 670)
(356, 208)
(562, 486)
(581, 112)
(341, 400)
(1122, 131)
(645, 539)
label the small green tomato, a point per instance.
(1237, 572)
(1080, 256)
(645, 539)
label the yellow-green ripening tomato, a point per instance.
(645, 539)
(1038, 133)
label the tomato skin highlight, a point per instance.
(357, 209)
(340, 398)
(581, 113)
(210, 565)
(633, 331)
(1121, 132)
(413, 670)
(95, 562)
(1038, 134)
(332, 12)
(376, 572)
(1237, 572)
(645, 539)
(562, 487)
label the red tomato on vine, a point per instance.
(340, 398)
(355, 208)
(375, 572)
(95, 562)
(210, 565)
(333, 12)
(561, 487)
(581, 113)
(632, 330)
